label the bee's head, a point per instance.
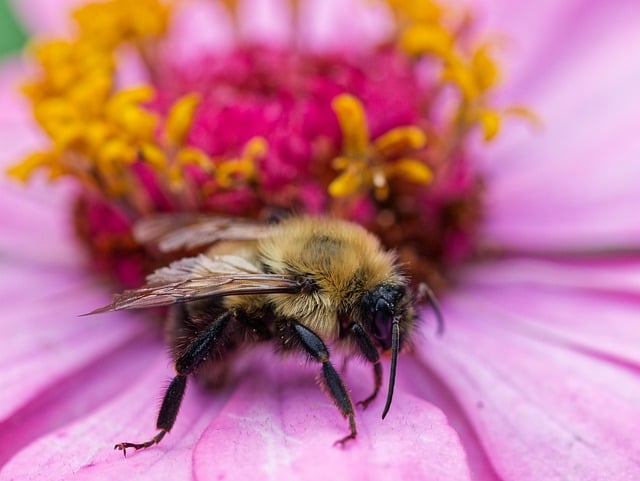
(384, 309)
(381, 306)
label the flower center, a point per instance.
(378, 136)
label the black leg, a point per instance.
(368, 349)
(192, 356)
(314, 346)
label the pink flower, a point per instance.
(536, 377)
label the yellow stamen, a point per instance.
(367, 165)
(353, 123)
(484, 68)
(409, 169)
(193, 156)
(426, 39)
(153, 155)
(242, 170)
(490, 122)
(399, 140)
(346, 184)
(24, 170)
(180, 119)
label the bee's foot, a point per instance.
(365, 402)
(155, 440)
(342, 442)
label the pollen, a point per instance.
(369, 165)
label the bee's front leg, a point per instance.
(192, 356)
(317, 350)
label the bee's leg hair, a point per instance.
(330, 379)
(193, 355)
(368, 349)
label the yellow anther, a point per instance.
(116, 151)
(421, 39)
(126, 113)
(180, 119)
(96, 134)
(367, 165)
(353, 123)
(526, 114)
(490, 123)
(457, 73)
(153, 155)
(399, 140)
(409, 169)
(25, 169)
(419, 11)
(233, 171)
(485, 70)
(193, 156)
(256, 148)
(117, 21)
(346, 184)
(134, 95)
(176, 178)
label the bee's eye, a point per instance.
(382, 319)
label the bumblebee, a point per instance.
(302, 284)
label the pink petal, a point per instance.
(278, 423)
(329, 24)
(200, 27)
(84, 449)
(542, 410)
(265, 426)
(18, 132)
(592, 307)
(48, 338)
(606, 275)
(82, 390)
(46, 17)
(572, 185)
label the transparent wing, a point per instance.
(172, 232)
(199, 277)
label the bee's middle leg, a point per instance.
(368, 349)
(186, 363)
(313, 345)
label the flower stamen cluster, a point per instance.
(362, 136)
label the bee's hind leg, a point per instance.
(313, 345)
(192, 356)
(369, 351)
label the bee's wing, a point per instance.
(172, 232)
(198, 277)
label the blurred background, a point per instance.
(12, 36)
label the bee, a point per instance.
(303, 284)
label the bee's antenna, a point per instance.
(395, 347)
(425, 291)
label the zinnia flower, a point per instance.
(390, 114)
